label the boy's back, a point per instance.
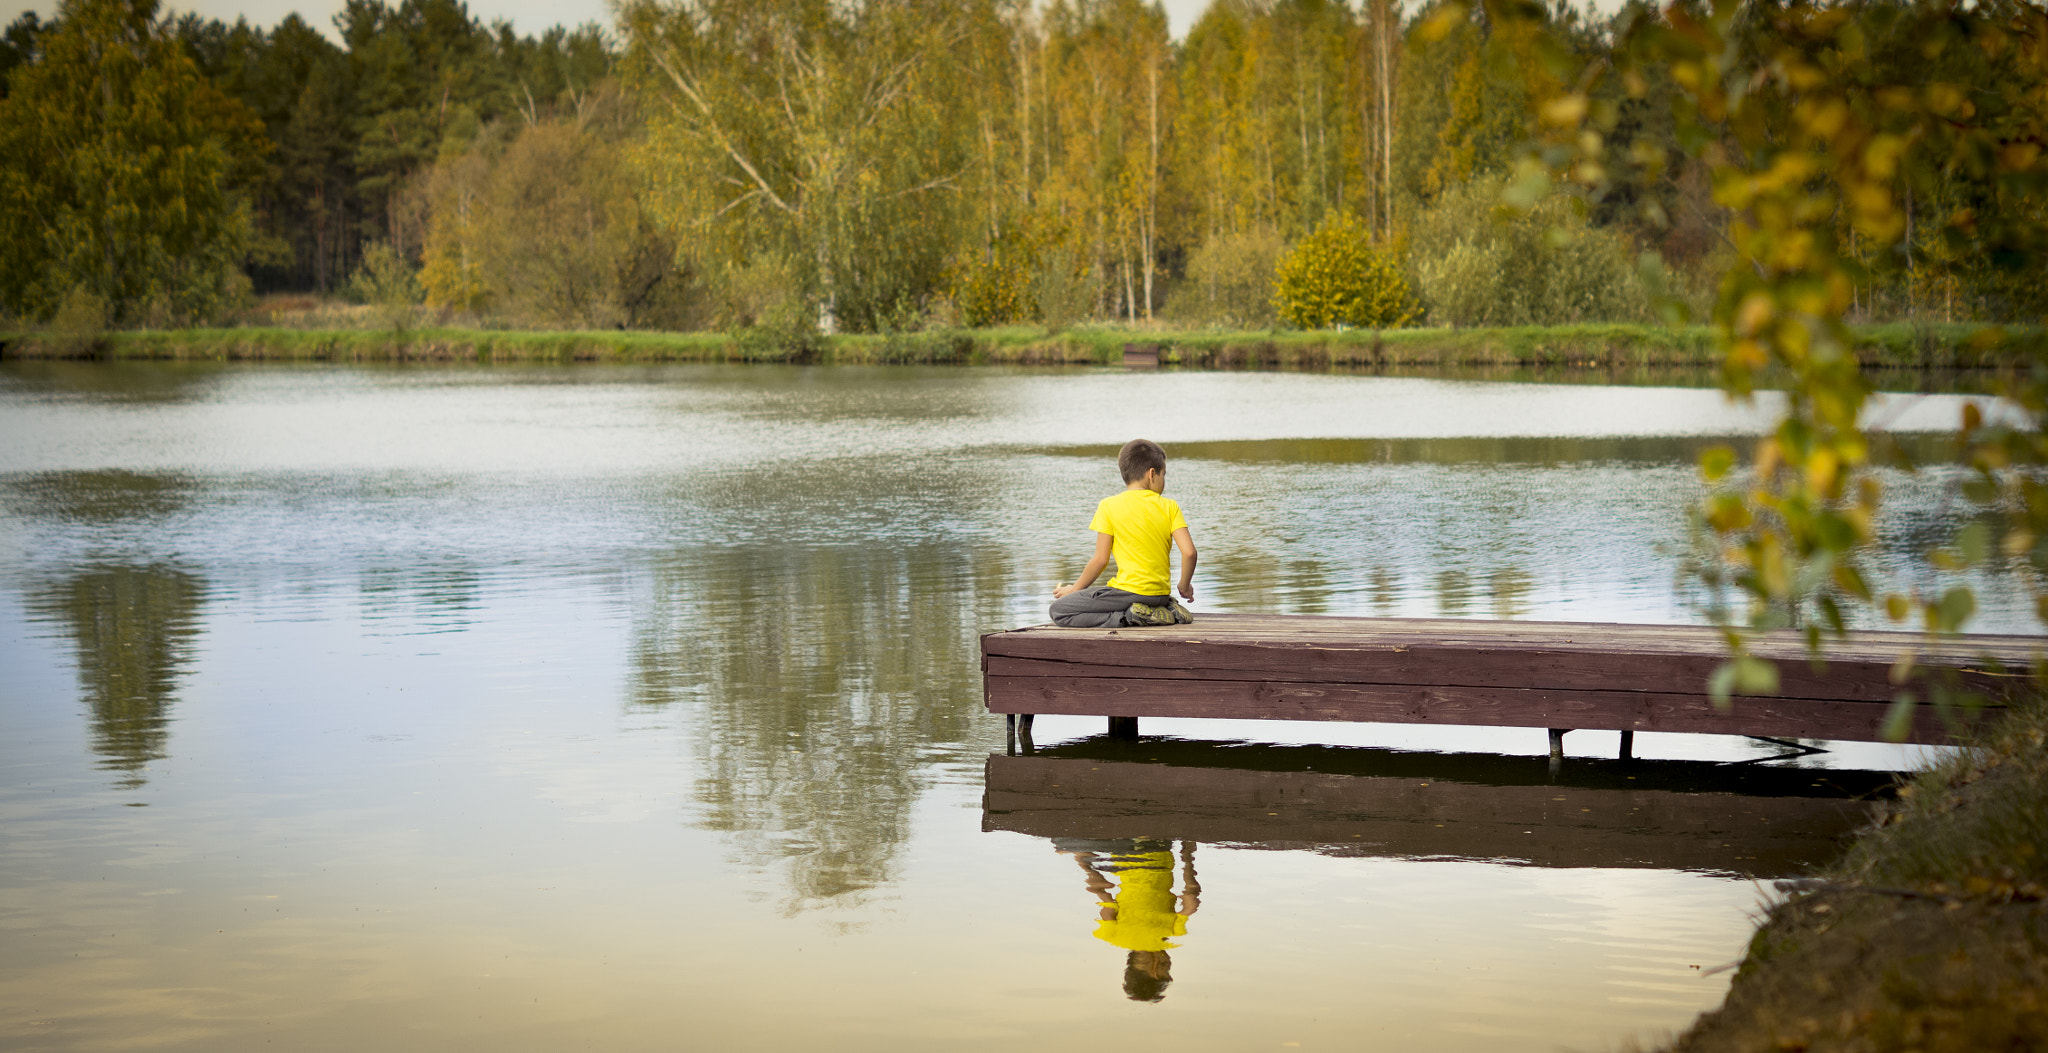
(1142, 523)
(1137, 527)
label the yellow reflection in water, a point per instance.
(1132, 880)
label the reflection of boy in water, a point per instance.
(1143, 914)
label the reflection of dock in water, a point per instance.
(1673, 815)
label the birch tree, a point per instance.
(815, 131)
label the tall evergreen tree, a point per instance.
(119, 169)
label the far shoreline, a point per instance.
(1892, 346)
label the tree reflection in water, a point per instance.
(133, 627)
(818, 682)
(101, 497)
(1139, 912)
(132, 623)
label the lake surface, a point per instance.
(638, 708)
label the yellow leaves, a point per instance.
(1441, 23)
(1877, 215)
(1790, 169)
(1755, 312)
(2018, 157)
(1822, 118)
(1564, 111)
(1767, 562)
(1881, 155)
(1716, 462)
(1807, 298)
(1955, 607)
(1768, 454)
(1792, 251)
(1850, 581)
(1728, 512)
(1824, 471)
(1944, 100)
(1741, 675)
(1801, 76)
(1812, 135)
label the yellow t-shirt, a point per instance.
(1145, 919)
(1142, 522)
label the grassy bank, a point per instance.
(1931, 935)
(1610, 346)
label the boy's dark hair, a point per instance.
(1147, 974)
(1138, 457)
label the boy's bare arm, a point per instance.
(1186, 543)
(1094, 568)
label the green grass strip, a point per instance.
(1892, 346)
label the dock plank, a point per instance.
(1488, 706)
(1502, 673)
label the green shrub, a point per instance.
(993, 290)
(80, 325)
(385, 281)
(1337, 276)
(1061, 290)
(1477, 264)
(1230, 282)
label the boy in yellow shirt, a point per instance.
(1136, 526)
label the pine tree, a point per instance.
(119, 169)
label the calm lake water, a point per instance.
(638, 708)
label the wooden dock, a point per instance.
(1679, 816)
(1555, 675)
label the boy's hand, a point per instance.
(1187, 590)
(1060, 591)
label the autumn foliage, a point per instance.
(903, 163)
(1337, 276)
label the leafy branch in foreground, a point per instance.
(1842, 138)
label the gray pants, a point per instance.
(1100, 607)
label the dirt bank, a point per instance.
(1931, 935)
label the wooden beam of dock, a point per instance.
(1557, 675)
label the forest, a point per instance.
(808, 166)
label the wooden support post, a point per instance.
(1017, 734)
(1628, 745)
(1557, 743)
(1123, 727)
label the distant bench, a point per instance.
(1560, 676)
